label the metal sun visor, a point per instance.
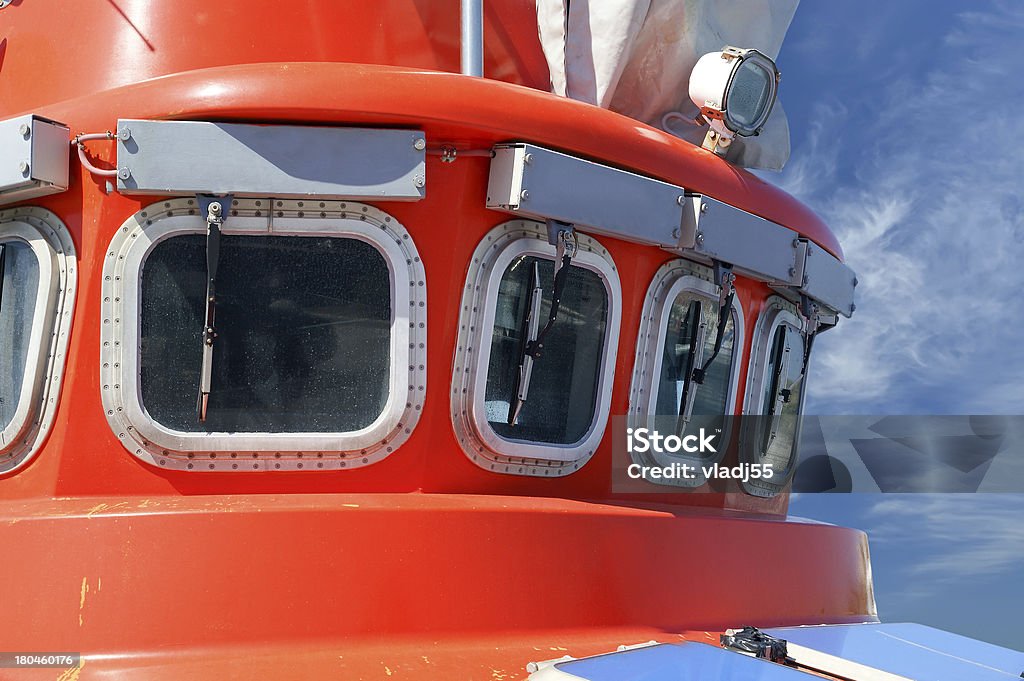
(280, 161)
(538, 183)
(768, 252)
(534, 182)
(35, 153)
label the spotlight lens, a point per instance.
(749, 96)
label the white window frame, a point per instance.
(478, 439)
(50, 241)
(776, 312)
(675, 277)
(120, 337)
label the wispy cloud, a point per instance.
(947, 538)
(926, 192)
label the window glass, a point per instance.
(711, 397)
(781, 398)
(19, 285)
(563, 387)
(303, 334)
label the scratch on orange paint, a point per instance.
(71, 673)
(81, 601)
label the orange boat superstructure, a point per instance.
(424, 563)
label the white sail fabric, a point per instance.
(635, 57)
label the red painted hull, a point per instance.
(424, 584)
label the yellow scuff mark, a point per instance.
(96, 509)
(559, 648)
(387, 670)
(425, 659)
(99, 584)
(71, 673)
(351, 505)
(81, 600)
(100, 508)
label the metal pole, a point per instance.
(473, 37)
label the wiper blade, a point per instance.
(695, 323)
(531, 324)
(533, 346)
(214, 220)
(780, 393)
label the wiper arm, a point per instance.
(214, 220)
(694, 321)
(533, 347)
(727, 294)
(531, 324)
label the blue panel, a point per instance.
(911, 650)
(680, 662)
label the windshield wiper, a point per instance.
(214, 220)
(532, 344)
(727, 293)
(780, 394)
(531, 324)
(695, 324)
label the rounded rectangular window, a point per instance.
(303, 334)
(775, 396)
(686, 367)
(305, 351)
(532, 379)
(37, 293)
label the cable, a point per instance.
(79, 141)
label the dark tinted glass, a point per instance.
(19, 285)
(710, 397)
(303, 334)
(563, 388)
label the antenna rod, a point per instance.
(473, 37)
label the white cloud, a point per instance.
(952, 536)
(926, 193)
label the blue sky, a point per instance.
(908, 138)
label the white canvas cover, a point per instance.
(635, 57)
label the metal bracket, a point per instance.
(724, 280)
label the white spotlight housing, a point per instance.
(735, 90)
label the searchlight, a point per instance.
(735, 90)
